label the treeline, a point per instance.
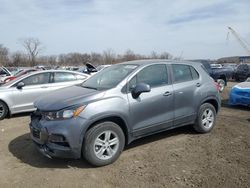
(33, 48)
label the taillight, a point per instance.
(217, 86)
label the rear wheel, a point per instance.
(206, 118)
(3, 110)
(103, 144)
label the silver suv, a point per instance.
(120, 104)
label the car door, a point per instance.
(186, 82)
(152, 111)
(34, 87)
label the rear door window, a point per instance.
(181, 73)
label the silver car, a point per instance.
(18, 95)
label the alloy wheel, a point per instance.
(207, 119)
(106, 145)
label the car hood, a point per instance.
(66, 97)
(243, 85)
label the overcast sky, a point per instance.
(193, 28)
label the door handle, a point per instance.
(167, 93)
(198, 84)
(44, 87)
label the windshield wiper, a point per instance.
(89, 87)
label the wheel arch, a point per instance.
(223, 76)
(115, 119)
(213, 102)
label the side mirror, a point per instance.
(20, 85)
(139, 89)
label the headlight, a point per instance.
(64, 114)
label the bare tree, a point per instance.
(109, 56)
(154, 55)
(18, 59)
(33, 48)
(96, 58)
(166, 55)
(4, 59)
(129, 55)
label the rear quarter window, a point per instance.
(195, 74)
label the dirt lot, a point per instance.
(177, 158)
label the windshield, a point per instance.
(109, 77)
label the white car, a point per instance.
(216, 66)
(4, 73)
(18, 95)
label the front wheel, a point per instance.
(103, 144)
(206, 118)
(3, 110)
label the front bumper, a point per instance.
(58, 139)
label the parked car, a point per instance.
(220, 75)
(42, 67)
(120, 104)
(13, 70)
(18, 74)
(240, 94)
(242, 72)
(4, 72)
(216, 66)
(89, 69)
(18, 95)
(232, 67)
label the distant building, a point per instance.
(235, 59)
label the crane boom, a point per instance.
(239, 40)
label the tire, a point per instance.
(3, 110)
(204, 122)
(96, 148)
(222, 84)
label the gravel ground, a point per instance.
(176, 158)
